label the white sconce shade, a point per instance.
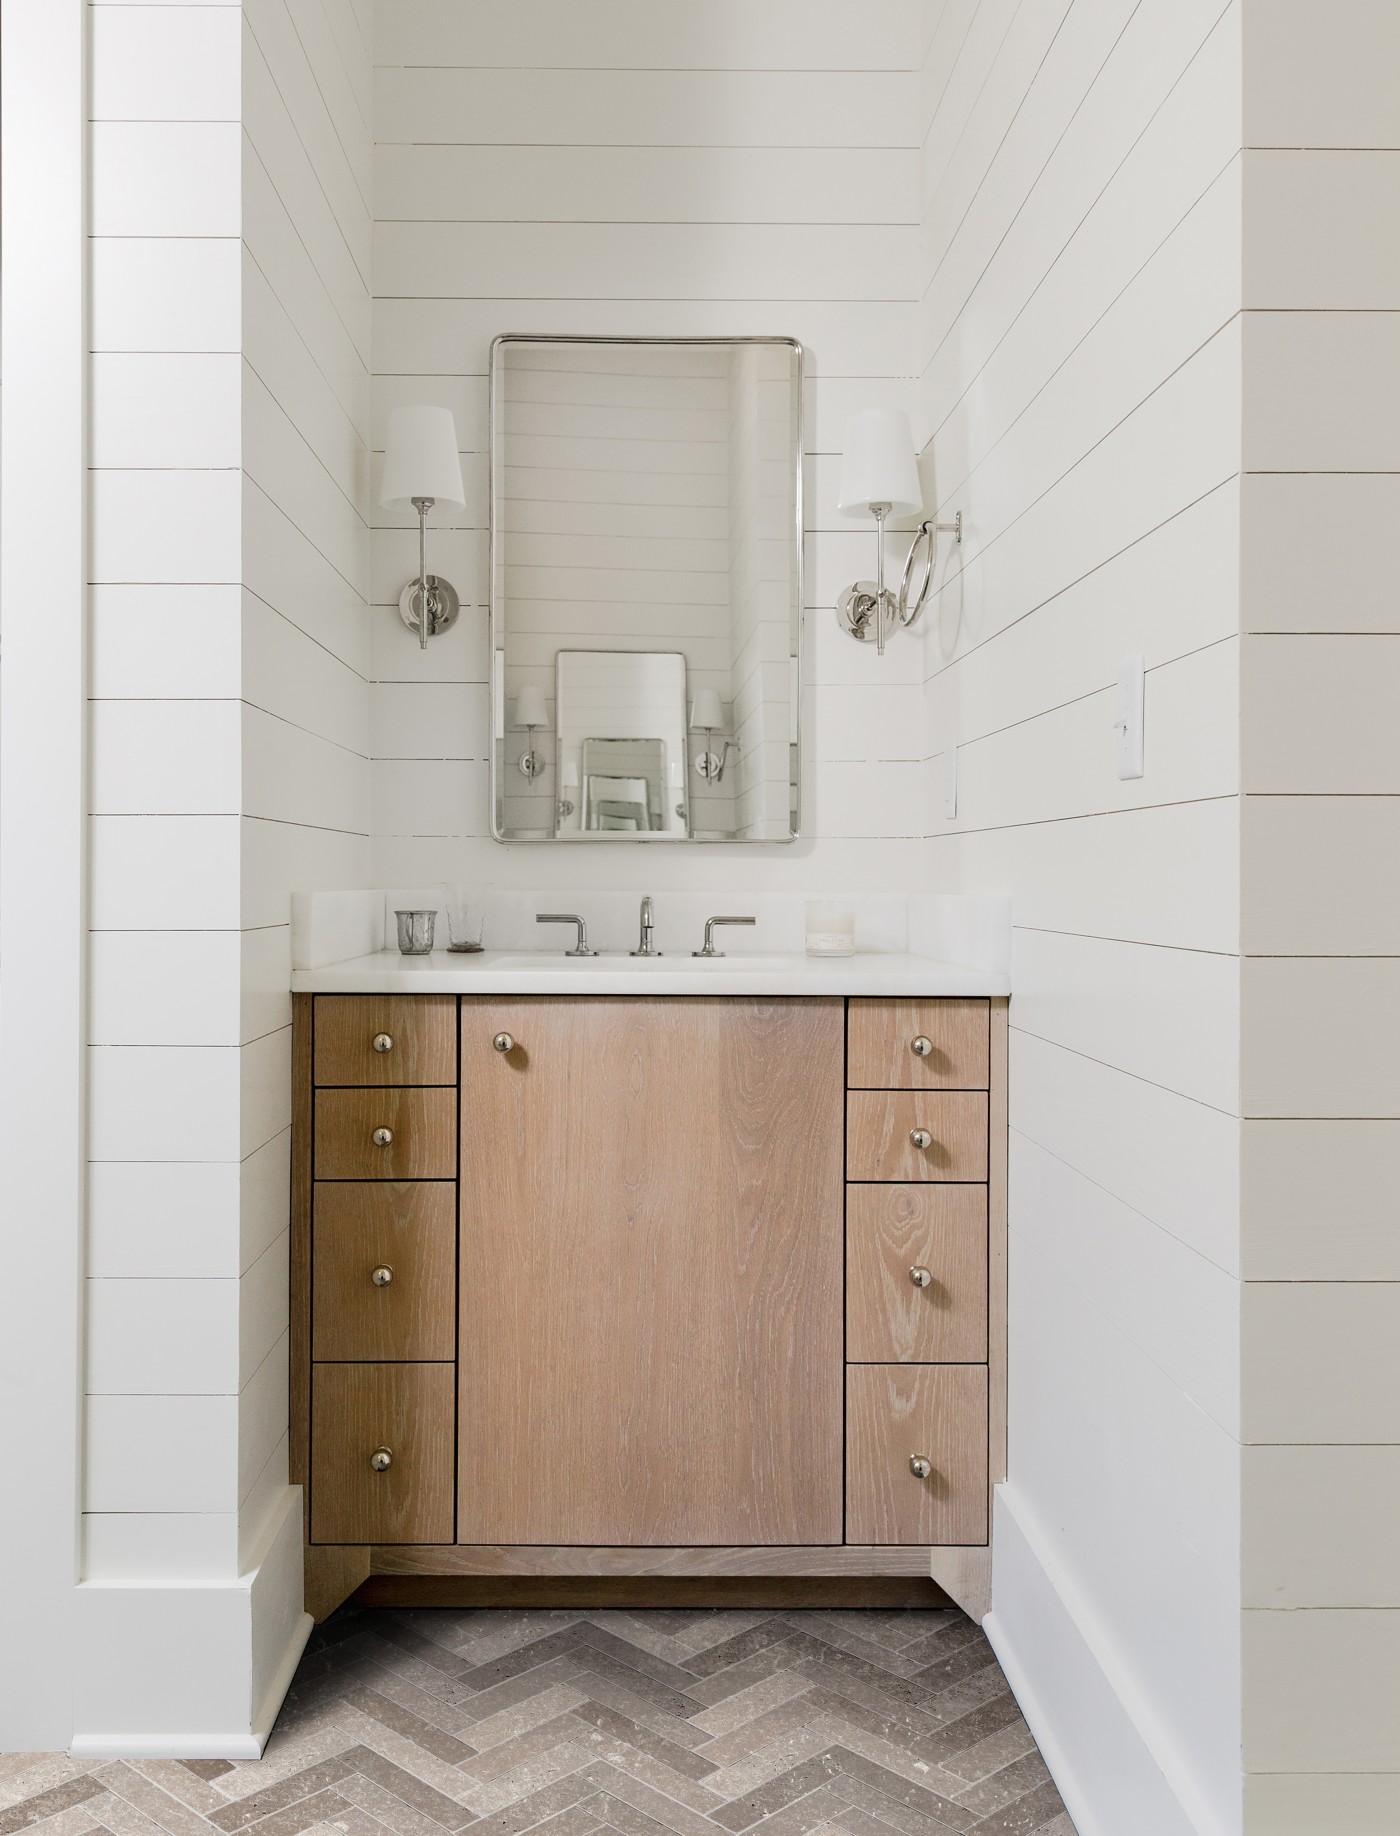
(529, 708)
(706, 711)
(568, 776)
(420, 459)
(878, 465)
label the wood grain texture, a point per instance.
(964, 1572)
(888, 1230)
(651, 1252)
(737, 1593)
(834, 1559)
(410, 1228)
(896, 1410)
(299, 1375)
(423, 1029)
(330, 1574)
(423, 1123)
(879, 1124)
(997, 1208)
(879, 1048)
(356, 1408)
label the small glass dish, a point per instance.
(831, 928)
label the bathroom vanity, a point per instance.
(699, 1274)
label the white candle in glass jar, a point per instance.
(831, 928)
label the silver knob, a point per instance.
(381, 1460)
(921, 1137)
(383, 1043)
(920, 1276)
(921, 1047)
(920, 1466)
(382, 1137)
(382, 1276)
(503, 1042)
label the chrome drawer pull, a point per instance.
(382, 1276)
(921, 1047)
(383, 1042)
(920, 1466)
(920, 1276)
(503, 1042)
(381, 1460)
(382, 1137)
(920, 1137)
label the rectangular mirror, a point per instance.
(646, 588)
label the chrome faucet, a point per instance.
(710, 923)
(646, 947)
(581, 948)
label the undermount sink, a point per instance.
(608, 963)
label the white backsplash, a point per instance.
(332, 927)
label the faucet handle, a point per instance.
(581, 947)
(710, 923)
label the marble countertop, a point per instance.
(737, 973)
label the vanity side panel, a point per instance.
(299, 1421)
(651, 1288)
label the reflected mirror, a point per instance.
(646, 588)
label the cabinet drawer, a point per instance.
(880, 1129)
(953, 1039)
(940, 1231)
(421, 1031)
(363, 1229)
(404, 1409)
(897, 1412)
(422, 1126)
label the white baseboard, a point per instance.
(267, 1710)
(167, 1746)
(1113, 1765)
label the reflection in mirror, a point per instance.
(646, 579)
(620, 739)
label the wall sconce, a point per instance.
(880, 478)
(529, 714)
(707, 717)
(421, 468)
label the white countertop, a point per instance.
(552, 973)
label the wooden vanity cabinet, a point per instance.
(676, 1286)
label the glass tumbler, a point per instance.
(466, 916)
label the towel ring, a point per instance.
(927, 536)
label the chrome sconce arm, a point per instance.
(867, 609)
(428, 604)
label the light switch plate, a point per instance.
(1127, 723)
(950, 781)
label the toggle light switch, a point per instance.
(1127, 724)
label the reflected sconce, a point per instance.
(568, 785)
(421, 468)
(707, 717)
(529, 714)
(880, 478)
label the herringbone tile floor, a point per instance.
(685, 1723)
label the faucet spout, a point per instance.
(645, 946)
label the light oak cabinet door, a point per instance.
(651, 1243)
(896, 1413)
(386, 1134)
(918, 1045)
(359, 1411)
(882, 1126)
(916, 1274)
(385, 1039)
(386, 1270)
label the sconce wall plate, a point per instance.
(442, 605)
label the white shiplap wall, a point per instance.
(650, 169)
(1080, 387)
(1321, 914)
(230, 337)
